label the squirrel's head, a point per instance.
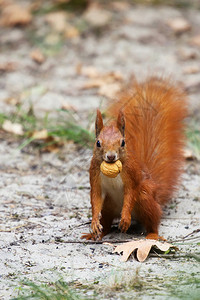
(110, 139)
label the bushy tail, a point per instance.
(154, 112)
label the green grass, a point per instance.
(180, 285)
(55, 291)
(52, 6)
(64, 127)
(193, 136)
(60, 129)
(174, 3)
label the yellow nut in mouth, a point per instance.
(111, 169)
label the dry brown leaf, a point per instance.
(7, 67)
(195, 40)
(143, 248)
(93, 83)
(55, 148)
(53, 144)
(88, 71)
(12, 101)
(110, 90)
(13, 127)
(35, 5)
(120, 6)
(96, 16)
(71, 32)
(67, 106)
(15, 14)
(188, 154)
(108, 84)
(92, 72)
(179, 25)
(187, 53)
(116, 75)
(37, 56)
(57, 20)
(40, 135)
(191, 70)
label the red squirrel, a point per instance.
(146, 133)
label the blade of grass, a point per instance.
(193, 135)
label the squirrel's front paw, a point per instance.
(97, 228)
(125, 224)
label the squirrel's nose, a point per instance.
(111, 157)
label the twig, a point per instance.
(194, 231)
(90, 242)
(189, 255)
(16, 227)
(185, 238)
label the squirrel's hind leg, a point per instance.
(148, 211)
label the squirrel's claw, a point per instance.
(97, 228)
(89, 236)
(97, 231)
(124, 224)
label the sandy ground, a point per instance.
(44, 200)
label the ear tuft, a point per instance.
(98, 123)
(121, 122)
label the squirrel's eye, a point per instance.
(123, 143)
(98, 144)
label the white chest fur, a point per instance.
(113, 187)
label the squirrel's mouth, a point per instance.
(110, 157)
(110, 160)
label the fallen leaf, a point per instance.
(191, 70)
(195, 40)
(15, 14)
(55, 148)
(12, 101)
(71, 32)
(88, 71)
(110, 90)
(92, 72)
(93, 83)
(188, 154)
(187, 53)
(96, 16)
(40, 135)
(143, 248)
(35, 5)
(67, 106)
(37, 56)
(57, 20)
(7, 67)
(52, 144)
(13, 127)
(179, 25)
(108, 84)
(120, 6)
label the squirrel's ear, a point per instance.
(99, 122)
(121, 122)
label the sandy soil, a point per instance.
(44, 200)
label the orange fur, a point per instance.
(151, 116)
